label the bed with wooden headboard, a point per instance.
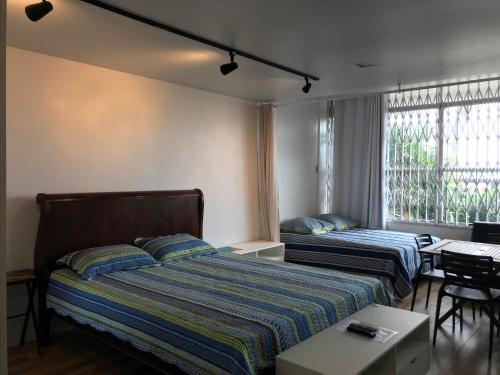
(220, 311)
(71, 222)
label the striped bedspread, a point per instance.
(391, 256)
(215, 314)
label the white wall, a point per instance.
(73, 127)
(297, 127)
(441, 231)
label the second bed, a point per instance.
(390, 256)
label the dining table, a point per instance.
(464, 247)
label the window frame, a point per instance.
(440, 104)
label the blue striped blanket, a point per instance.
(391, 256)
(214, 314)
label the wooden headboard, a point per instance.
(70, 222)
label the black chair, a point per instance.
(486, 232)
(468, 278)
(427, 269)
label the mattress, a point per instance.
(391, 256)
(214, 314)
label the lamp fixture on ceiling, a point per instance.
(225, 69)
(39, 10)
(307, 86)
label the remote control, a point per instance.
(362, 328)
(365, 326)
(362, 331)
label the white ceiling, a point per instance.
(415, 41)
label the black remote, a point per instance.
(362, 331)
(366, 326)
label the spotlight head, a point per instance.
(38, 10)
(307, 86)
(229, 67)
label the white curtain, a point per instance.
(358, 190)
(267, 179)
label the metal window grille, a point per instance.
(325, 156)
(329, 146)
(443, 154)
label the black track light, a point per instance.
(307, 86)
(229, 67)
(38, 10)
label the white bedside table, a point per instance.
(261, 249)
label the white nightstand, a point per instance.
(261, 249)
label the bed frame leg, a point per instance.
(44, 317)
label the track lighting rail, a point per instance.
(197, 38)
(37, 11)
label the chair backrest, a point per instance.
(423, 240)
(486, 232)
(469, 271)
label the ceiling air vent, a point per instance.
(366, 65)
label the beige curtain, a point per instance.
(268, 189)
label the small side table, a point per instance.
(261, 249)
(28, 278)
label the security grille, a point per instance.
(329, 151)
(325, 156)
(443, 154)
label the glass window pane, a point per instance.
(459, 183)
(471, 163)
(411, 154)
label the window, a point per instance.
(443, 154)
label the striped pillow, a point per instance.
(140, 241)
(306, 225)
(171, 248)
(339, 222)
(104, 259)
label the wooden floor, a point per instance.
(459, 353)
(74, 353)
